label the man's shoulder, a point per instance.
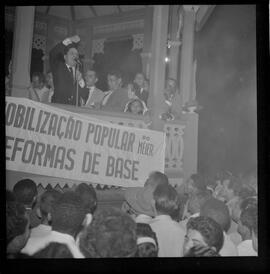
(97, 90)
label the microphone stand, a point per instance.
(77, 84)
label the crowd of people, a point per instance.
(66, 83)
(203, 217)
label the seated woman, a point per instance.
(38, 91)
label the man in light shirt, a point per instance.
(117, 97)
(169, 234)
(92, 95)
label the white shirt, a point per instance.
(91, 91)
(81, 82)
(40, 231)
(142, 218)
(36, 244)
(170, 236)
(228, 249)
(245, 248)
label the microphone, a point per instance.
(77, 60)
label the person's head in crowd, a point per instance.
(203, 231)
(138, 201)
(156, 178)
(231, 187)
(68, 213)
(166, 200)
(91, 78)
(49, 80)
(218, 211)
(38, 80)
(170, 88)
(201, 251)
(248, 222)
(89, 200)
(17, 226)
(45, 205)
(139, 79)
(241, 205)
(147, 244)
(195, 184)
(71, 54)
(26, 192)
(135, 106)
(10, 197)
(54, 251)
(196, 201)
(114, 79)
(111, 234)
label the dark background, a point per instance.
(225, 50)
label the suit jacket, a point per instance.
(96, 96)
(142, 95)
(64, 85)
(117, 101)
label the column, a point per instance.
(147, 38)
(186, 64)
(22, 47)
(175, 43)
(157, 64)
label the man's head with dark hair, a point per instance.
(203, 231)
(196, 200)
(38, 79)
(46, 203)
(88, 196)
(68, 213)
(156, 178)
(218, 211)
(196, 183)
(231, 187)
(241, 205)
(166, 200)
(25, 192)
(114, 79)
(70, 54)
(248, 222)
(112, 234)
(54, 251)
(17, 226)
(146, 241)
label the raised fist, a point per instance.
(75, 39)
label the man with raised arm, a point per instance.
(66, 73)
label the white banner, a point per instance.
(45, 140)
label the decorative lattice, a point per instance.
(39, 42)
(174, 146)
(40, 26)
(137, 41)
(98, 46)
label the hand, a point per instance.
(78, 75)
(75, 39)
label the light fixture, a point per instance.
(167, 59)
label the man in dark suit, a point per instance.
(117, 97)
(64, 66)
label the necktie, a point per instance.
(71, 71)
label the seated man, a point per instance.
(92, 96)
(111, 234)
(169, 234)
(67, 217)
(246, 227)
(117, 97)
(219, 212)
(38, 91)
(202, 231)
